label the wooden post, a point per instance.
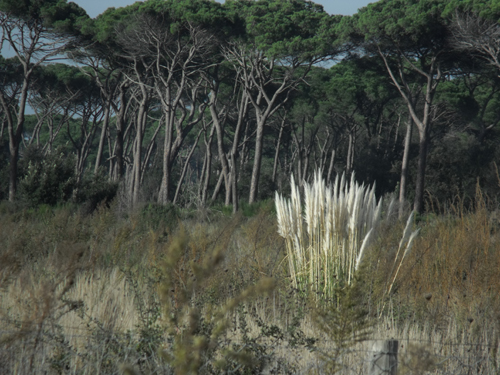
(383, 359)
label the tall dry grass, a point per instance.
(453, 271)
(81, 294)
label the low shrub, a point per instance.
(47, 180)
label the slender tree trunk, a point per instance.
(120, 125)
(185, 167)
(119, 164)
(102, 138)
(206, 181)
(422, 163)
(15, 138)
(242, 115)
(136, 175)
(149, 151)
(404, 166)
(234, 183)
(217, 187)
(201, 179)
(220, 148)
(13, 150)
(259, 143)
(332, 165)
(234, 165)
(276, 154)
(305, 170)
(350, 154)
(164, 194)
(207, 167)
(433, 76)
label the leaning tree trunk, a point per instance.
(220, 148)
(102, 139)
(185, 167)
(259, 143)
(404, 167)
(276, 154)
(207, 167)
(332, 165)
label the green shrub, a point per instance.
(48, 179)
(158, 215)
(95, 188)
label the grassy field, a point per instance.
(158, 290)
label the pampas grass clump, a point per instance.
(327, 240)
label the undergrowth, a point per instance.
(162, 290)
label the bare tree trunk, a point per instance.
(206, 181)
(13, 147)
(220, 147)
(207, 166)
(136, 174)
(323, 154)
(242, 116)
(217, 187)
(332, 165)
(259, 143)
(201, 178)
(418, 206)
(350, 154)
(120, 124)
(276, 154)
(185, 167)
(15, 138)
(433, 76)
(234, 183)
(305, 171)
(104, 130)
(404, 166)
(256, 71)
(149, 151)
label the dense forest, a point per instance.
(192, 102)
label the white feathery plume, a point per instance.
(331, 235)
(363, 247)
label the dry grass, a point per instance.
(81, 294)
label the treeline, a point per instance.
(192, 101)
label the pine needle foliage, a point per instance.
(345, 325)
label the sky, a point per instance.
(96, 7)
